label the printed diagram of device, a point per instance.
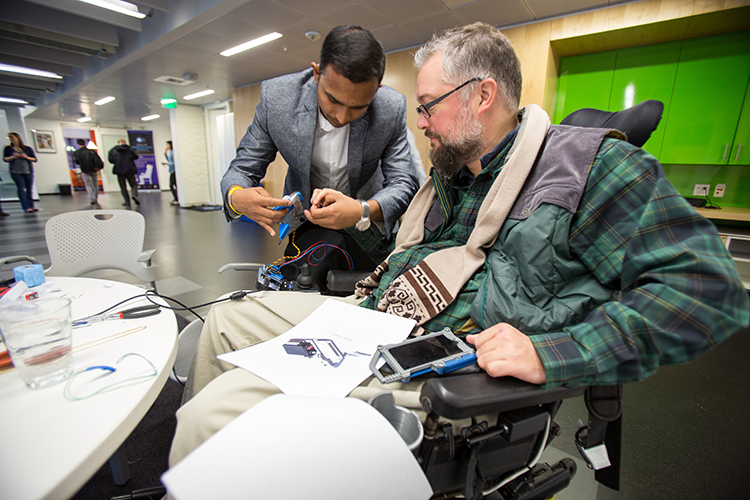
(325, 349)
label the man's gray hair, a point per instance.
(476, 50)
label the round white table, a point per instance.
(50, 445)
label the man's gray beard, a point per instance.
(449, 158)
(455, 152)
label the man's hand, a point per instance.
(504, 351)
(257, 204)
(333, 210)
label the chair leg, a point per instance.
(118, 462)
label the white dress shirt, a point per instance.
(330, 157)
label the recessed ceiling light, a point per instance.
(12, 100)
(252, 43)
(149, 117)
(10, 68)
(198, 94)
(104, 100)
(119, 6)
(84, 119)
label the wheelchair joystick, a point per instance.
(305, 280)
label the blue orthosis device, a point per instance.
(294, 217)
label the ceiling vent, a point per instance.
(175, 80)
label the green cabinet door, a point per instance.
(643, 73)
(741, 148)
(585, 82)
(709, 88)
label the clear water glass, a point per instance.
(37, 335)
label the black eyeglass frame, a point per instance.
(425, 108)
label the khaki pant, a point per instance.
(217, 392)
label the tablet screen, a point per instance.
(426, 351)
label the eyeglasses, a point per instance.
(424, 109)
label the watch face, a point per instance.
(362, 225)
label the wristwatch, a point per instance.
(363, 224)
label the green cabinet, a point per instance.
(585, 82)
(643, 73)
(740, 154)
(708, 95)
(703, 83)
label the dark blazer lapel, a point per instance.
(307, 119)
(357, 133)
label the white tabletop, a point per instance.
(50, 446)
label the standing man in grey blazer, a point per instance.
(343, 135)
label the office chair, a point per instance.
(186, 343)
(89, 240)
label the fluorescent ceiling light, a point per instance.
(252, 43)
(149, 117)
(28, 71)
(104, 100)
(12, 100)
(198, 94)
(119, 6)
(84, 119)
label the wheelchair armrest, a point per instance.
(464, 396)
(241, 266)
(339, 281)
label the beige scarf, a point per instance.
(427, 289)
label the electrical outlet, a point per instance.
(701, 189)
(719, 191)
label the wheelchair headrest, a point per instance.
(637, 122)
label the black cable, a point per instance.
(110, 308)
(709, 203)
(234, 296)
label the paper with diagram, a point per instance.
(327, 354)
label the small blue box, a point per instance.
(32, 275)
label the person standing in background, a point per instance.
(169, 155)
(2, 214)
(20, 157)
(123, 158)
(90, 163)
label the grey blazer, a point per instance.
(380, 164)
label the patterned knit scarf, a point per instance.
(427, 289)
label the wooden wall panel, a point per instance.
(245, 99)
(401, 75)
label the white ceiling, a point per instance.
(185, 36)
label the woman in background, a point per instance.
(169, 155)
(20, 157)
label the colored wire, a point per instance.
(310, 251)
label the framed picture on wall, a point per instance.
(44, 141)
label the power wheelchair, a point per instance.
(500, 451)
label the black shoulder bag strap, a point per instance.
(604, 403)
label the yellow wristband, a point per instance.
(229, 199)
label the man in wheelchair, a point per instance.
(562, 253)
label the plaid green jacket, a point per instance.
(680, 292)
